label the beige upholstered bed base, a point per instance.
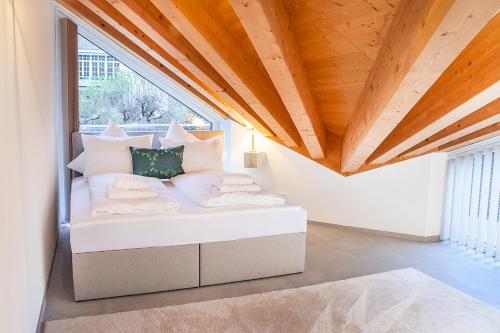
(251, 258)
(137, 271)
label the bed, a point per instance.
(195, 246)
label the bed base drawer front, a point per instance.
(135, 271)
(252, 258)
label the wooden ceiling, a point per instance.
(340, 41)
(351, 84)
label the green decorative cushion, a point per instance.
(159, 163)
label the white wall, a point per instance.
(404, 198)
(27, 160)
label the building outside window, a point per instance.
(109, 90)
(84, 66)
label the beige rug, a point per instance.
(397, 301)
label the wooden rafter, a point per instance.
(469, 83)
(465, 132)
(82, 11)
(424, 39)
(484, 117)
(480, 135)
(268, 27)
(108, 13)
(240, 68)
(149, 19)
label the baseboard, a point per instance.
(422, 239)
(40, 325)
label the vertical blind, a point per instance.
(471, 214)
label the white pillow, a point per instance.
(78, 164)
(111, 155)
(177, 132)
(200, 155)
(113, 131)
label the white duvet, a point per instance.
(202, 189)
(102, 205)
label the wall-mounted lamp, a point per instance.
(252, 135)
(253, 159)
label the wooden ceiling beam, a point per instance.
(469, 83)
(485, 116)
(267, 25)
(480, 135)
(90, 16)
(149, 19)
(423, 40)
(448, 144)
(166, 36)
(240, 68)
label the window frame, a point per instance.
(144, 69)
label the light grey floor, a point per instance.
(332, 254)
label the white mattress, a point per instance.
(191, 224)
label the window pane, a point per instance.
(109, 70)
(109, 90)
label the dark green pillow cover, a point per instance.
(159, 163)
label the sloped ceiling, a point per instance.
(351, 84)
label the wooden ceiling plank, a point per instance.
(268, 27)
(90, 16)
(469, 83)
(423, 40)
(149, 19)
(485, 116)
(480, 135)
(240, 69)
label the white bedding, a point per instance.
(190, 224)
(164, 202)
(203, 189)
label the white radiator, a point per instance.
(471, 212)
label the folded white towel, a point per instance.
(117, 194)
(131, 182)
(102, 205)
(236, 179)
(202, 189)
(242, 198)
(227, 188)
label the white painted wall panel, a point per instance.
(405, 198)
(28, 211)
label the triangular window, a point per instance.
(109, 90)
